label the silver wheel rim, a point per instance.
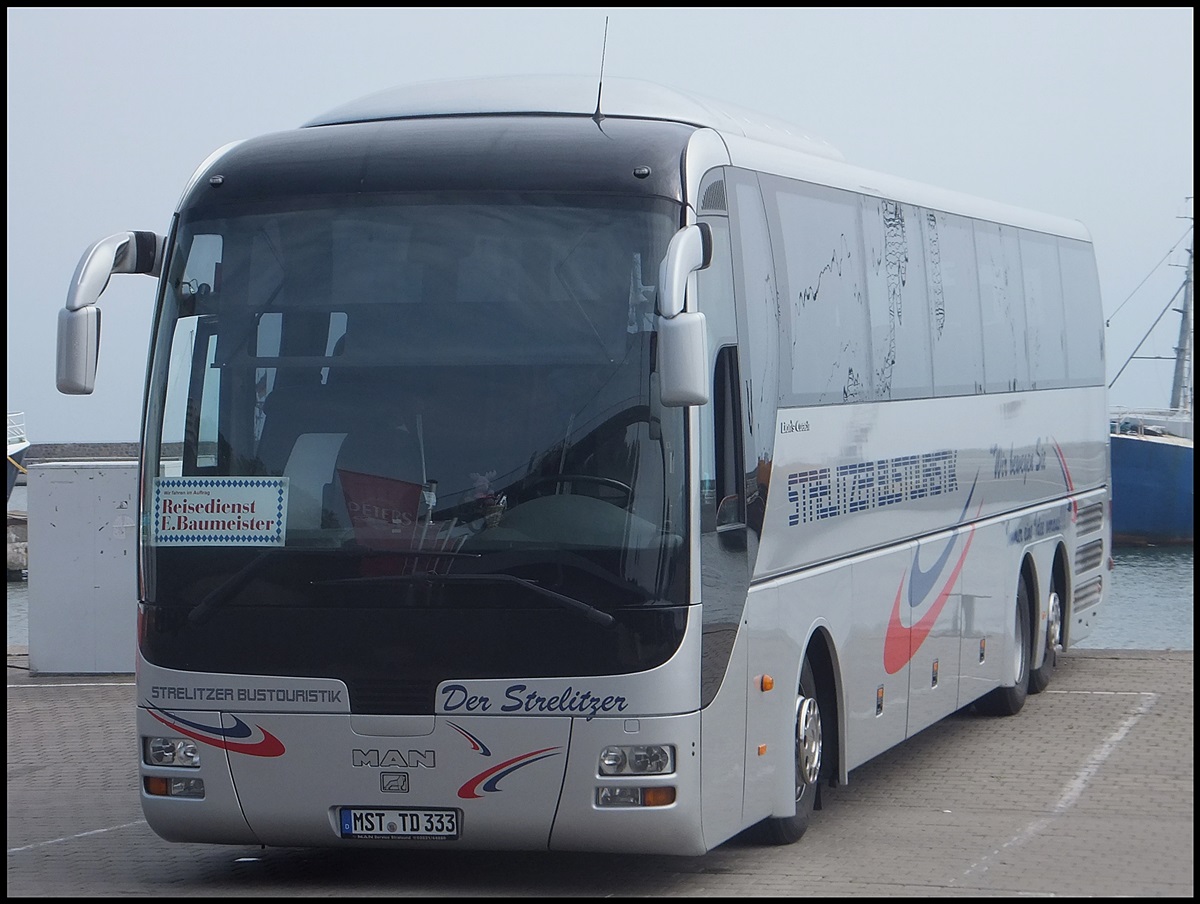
(1054, 626)
(808, 744)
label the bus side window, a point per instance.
(727, 444)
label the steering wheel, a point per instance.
(560, 479)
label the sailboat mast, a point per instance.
(1181, 386)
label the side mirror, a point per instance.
(690, 249)
(125, 252)
(682, 335)
(682, 349)
(78, 350)
(79, 321)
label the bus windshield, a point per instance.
(411, 402)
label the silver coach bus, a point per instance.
(528, 470)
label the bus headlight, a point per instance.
(170, 752)
(639, 759)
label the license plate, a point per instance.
(360, 822)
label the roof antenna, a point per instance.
(598, 117)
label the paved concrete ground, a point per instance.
(1087, 792)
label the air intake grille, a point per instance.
(1091, 518)
(1087, 594)
(714, 197)
(1089, 556)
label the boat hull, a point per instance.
(1152, 490)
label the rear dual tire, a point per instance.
(1007, 701)
(1039, 678)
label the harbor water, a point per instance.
(1149, 605)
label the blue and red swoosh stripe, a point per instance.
(234, 738)
(901, 643)
(489, 781)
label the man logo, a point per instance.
(413, 759)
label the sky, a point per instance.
(1085, 113)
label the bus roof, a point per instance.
(572, 96)
(753, 139)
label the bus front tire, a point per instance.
(808, 758)
(1007, 701)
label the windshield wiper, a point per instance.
(591, 613)
(216, 597)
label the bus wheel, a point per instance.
(808, 754)
(1039, 678)
(1007, 701)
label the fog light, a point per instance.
(618, 797)
(160, 786)
(635, 797)
(187, 787)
